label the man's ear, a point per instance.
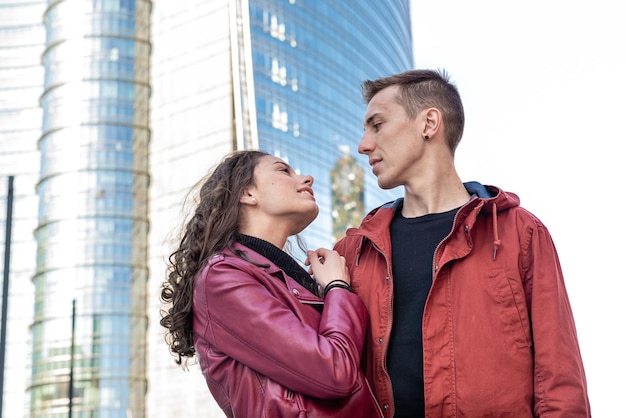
(432, 123)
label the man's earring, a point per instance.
(426, 137)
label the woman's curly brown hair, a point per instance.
(211, 229)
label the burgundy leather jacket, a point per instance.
(265, 352)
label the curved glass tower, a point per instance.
(93, 191)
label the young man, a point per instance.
(468, 307)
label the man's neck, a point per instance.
(437, 197)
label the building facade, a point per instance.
(309, 61)
(129, 104)
(93, 212)
(22, 40)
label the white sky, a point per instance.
(543, 85)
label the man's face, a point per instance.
(391, 140)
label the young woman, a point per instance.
(271, 340)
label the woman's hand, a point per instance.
(327, 265)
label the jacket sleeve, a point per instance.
(245, 321)
(560, 383)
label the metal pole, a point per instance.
(71, 390)
(5, 287)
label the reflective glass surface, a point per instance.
(309, 61)
(89, 329)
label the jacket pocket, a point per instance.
(513, 312)
(279, 401)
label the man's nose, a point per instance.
(365, 145)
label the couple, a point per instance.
(454, 293)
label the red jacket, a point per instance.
(498, 332)
(265, 353)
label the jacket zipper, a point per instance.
(434, 266)
(387, 336)
(435, 270)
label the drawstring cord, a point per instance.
(496, 241)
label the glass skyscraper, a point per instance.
(309, 60)
(90, 318)
(128, 104)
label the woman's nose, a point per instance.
(308, 180)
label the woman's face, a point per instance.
(282, 197)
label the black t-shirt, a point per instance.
(413, 242)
